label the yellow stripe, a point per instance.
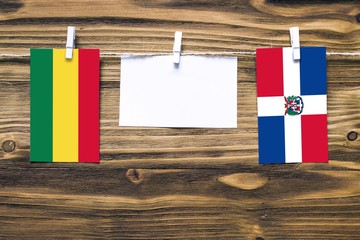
(65, 107)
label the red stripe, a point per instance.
(314, 138)
(269, 72)
(89, 64)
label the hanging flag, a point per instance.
(292, 108)
(64, 105)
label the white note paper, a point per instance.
(200, 92)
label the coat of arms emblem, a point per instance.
(294, 105)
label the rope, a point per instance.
(127, 54)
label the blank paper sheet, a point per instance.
(200, 92)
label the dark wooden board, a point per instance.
(166, 183)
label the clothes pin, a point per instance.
(177, 47)
(70, 42)
(295, 42)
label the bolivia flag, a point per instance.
(291, 100)
(64, 105)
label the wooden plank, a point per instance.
(180, 183)
(190, 147)
(149, 25)
(103, 200)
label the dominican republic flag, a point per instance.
(291, 101)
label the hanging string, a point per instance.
(182, 53)
(129, 54)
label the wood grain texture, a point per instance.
(166, 183)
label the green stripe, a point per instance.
(41, 105)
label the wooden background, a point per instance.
(180, 183)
